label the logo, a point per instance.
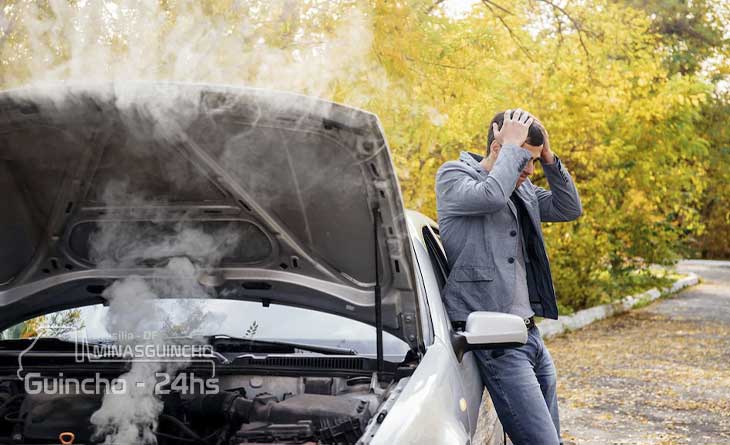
(174, 353)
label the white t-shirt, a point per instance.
(521, 299)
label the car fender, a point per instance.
(431, 408)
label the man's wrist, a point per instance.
(517, 143)
(548, 158)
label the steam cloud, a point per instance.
(177, 250)
(181, 41)
(131, 40)
(131, 417)
(134, 314)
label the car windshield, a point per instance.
(206, 317)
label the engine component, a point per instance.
(262, 432)
(317, 408)
(47, 416)
(328, 419)
(228, 417)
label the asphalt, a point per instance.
(659, 375)
(656, 375)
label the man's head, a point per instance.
(534, 134)
(533, 143)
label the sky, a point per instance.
(458, 8)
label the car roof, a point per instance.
(416, 221)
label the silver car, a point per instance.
(188, 263)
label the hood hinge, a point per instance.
(409, 326)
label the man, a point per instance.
(489, 218)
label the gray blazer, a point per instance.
(478, 227)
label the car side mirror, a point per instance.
(489, 330)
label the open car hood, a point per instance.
(271, 194)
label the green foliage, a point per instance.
(691, 33)
(624, 125)
(55, 324)
(714, 240)
(626, 92)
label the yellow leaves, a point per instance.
(31, 327)
(622, 125)
(674, 367)
(637, 201)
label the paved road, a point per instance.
(657, 375)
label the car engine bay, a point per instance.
(248, 409)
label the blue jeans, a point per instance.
(522, 383)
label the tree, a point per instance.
(619, 87)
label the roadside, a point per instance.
(655, 375)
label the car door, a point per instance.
(434, 270)
(489, 430)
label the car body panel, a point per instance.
(428, 409)
(441, 402)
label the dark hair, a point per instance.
(534, 135)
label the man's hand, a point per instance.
(546, 155)
(514, 129)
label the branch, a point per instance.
(489, 4)
(430, 9)
(576, 24)
(442, 65)
(561, 41)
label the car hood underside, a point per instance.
(273, 196)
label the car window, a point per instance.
(436, 254)
(438, 259)
(235, 318)
(425, 310)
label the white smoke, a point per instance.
(120, 244)
(136, 317)
(138, 312)
(254, 43)
(131, 417)
(438, 119)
